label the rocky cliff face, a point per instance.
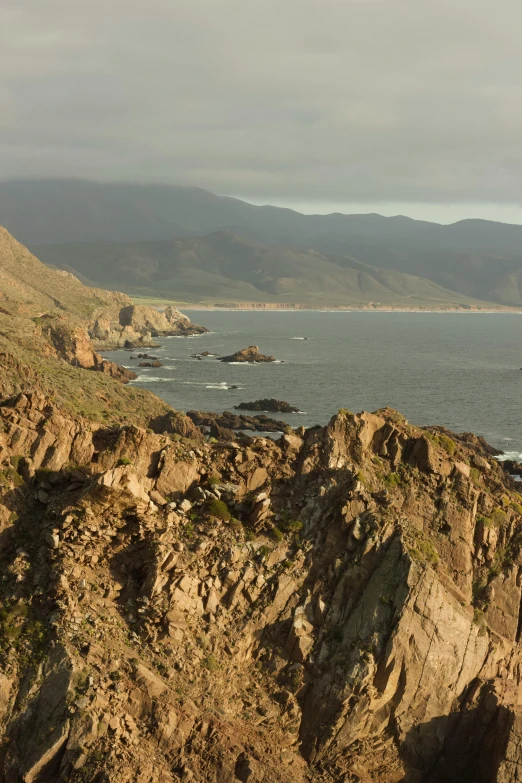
(340, 605)
(30, 289)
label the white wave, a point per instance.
(298, 338)
(150, 379)
(516, 456)
(187, 336)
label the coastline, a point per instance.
(334, 309)
(326, 307)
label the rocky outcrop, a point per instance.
(221, 425)
(72, 344)
(250, 354)
(342, 604)
(138, 325)
(271, 405)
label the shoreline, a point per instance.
(330, 309)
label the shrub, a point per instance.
(480, 620)
(276, 534)
(291, 526)
(124, 461)
(393, 480)
(447, 444)
(475, 476)
(236, 525)
(219, 509)
(211, 663)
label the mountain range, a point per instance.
(191, 245)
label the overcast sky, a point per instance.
(410, 105)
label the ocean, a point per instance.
(459, 370)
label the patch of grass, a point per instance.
(276, 534)
(219, 509)
(211, 663)
(237, 526)
(424, 551)
(444, 441)
(475, 476)
(124, 461)
(291, 525)
(393, 480)
(10, 476)
(480, 620)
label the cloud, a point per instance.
(343, 100)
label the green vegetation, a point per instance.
(393, 480)
(211, 663)
(423, 549)
(124, 461)
(291, 525)
(444, 441)
(475, 476)
(276, 534)
(219, 509)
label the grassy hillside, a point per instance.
(474, 258)
(225, 268)
(27, 281)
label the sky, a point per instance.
(394, 106)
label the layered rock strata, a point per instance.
(340, 605)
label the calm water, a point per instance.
(458, 370)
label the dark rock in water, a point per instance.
(272, 405)
(150, 364)
(250, 354)
(233, 386)
(231, 421)
(512, 467)
(145, 356)
(202, 355)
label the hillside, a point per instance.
(51, 328)
(222, 267)
(475, 258)
(342, 605)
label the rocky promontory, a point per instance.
(270, 405)
(342, 604)
(250, 355)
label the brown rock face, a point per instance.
(74, 346)
(340, 605)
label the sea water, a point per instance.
(459, 370)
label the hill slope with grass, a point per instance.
(472, 258)
(222, 267)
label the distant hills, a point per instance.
(191, 245)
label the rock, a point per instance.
(250, 354)
(150, 364)
(158, 498)
(226, 422)
(271, 405)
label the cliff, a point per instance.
(340, 605)
(28, 288)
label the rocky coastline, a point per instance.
(181, 601)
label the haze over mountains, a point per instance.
(189, 244)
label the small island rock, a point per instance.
(250, 354)
(272, 405)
